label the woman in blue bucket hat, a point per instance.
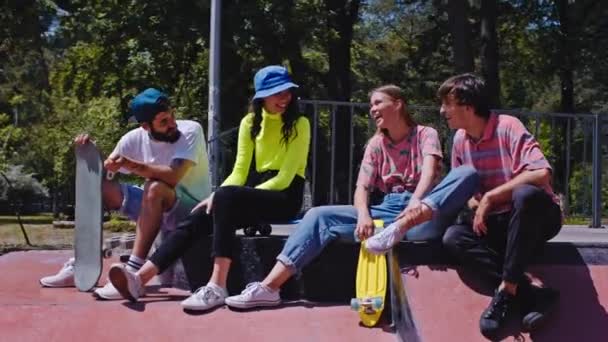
(266, 184)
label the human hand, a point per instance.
(414, 202)
(473, 203)
(128, 164)
(207, 203)
(479, 224)
(83, 138)
(112, 164)
(365, 226)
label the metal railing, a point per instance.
(580, 152)
(571, 142)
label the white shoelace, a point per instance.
(206, 293)
(250, 288)
(68, 264)
(386, 235)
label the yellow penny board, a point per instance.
(371, 284)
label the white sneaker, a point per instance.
(254, 295)
(384, 240)
(205, 298)
(108, 292)
(127, 283)
(64, 278)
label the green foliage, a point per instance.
(80, 75)
(39, 219)
(580, 190)
(118, 224)
(21, 187)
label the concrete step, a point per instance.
(331, 276)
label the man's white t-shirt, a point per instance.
(137, 145)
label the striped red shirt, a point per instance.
(397, 167)
(504, 151)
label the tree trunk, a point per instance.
(342, 15)
(566, 58)
(458, 17)
(489, 51)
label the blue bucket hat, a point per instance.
(271, 80)
(147, 104)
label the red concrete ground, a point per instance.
(31, 313)
(445, 309)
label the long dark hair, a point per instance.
(289, 118)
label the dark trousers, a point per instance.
(513, 239)
(234, 207)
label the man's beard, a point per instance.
(172, 137)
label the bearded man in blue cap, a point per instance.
(171, 156)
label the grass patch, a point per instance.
(46, 237)
(45, 218)
(577, 220)
(117, 226)
(40, 235)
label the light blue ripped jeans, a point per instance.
(322, 225)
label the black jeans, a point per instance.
(513, 238)
(233, 207)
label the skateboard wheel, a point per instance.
(354, 304)
(249, 231)
(107, 253)
(377, 303)
(124, 258)
(265, 229)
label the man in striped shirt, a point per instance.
(515, 211)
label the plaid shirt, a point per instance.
(391, 167)
(504, 151)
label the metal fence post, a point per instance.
(596, 200)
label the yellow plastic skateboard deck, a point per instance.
(371, 284)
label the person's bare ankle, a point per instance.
(271, 285)
(426, 212)
(510, 288)
(416, 215)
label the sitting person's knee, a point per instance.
(317, 212)
(525, 194)
(468, 173)
(451, 239)
(112, 195)
(224, 194)
(157, 190)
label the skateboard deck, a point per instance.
(402, 317)
(88, 217)
(371, 284)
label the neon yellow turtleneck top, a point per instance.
(270, 153)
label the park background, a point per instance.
(72, 66)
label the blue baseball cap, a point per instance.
(271, 80)
(147, 104)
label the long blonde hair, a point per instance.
(396, 93)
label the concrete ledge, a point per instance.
(63, 224)
(554, 253)
(330, 277)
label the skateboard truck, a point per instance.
(370, 305)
